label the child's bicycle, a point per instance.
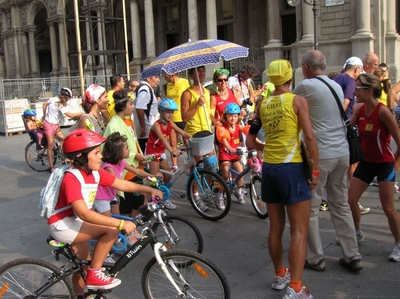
(206, 182)
(173, 231)
(36, 155)
(254, 186)
(169, 274)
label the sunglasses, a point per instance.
(222, 80)
(357, 88)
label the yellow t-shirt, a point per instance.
(174, 91)
(281, 128)
(110, 108)
(201, 119)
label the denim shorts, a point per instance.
(284, 183)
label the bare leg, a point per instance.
(276, 214)
(357, 188)
(386, 193)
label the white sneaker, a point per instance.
(304, 294)
(109, 259)
(396, 187)
(200, 203)
(281, 282)
(169, 205)
(395, 255)
(240, 197)
(220, 201)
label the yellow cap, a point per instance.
(279, 71)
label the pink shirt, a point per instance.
(108, 193)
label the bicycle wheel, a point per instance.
(255, 196)
(183, 234)
(207, 206)
(37, 159)
(198, 279)
(22, 278)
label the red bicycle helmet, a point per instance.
(80, 140)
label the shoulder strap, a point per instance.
(79, 176)
(139, 89)
(344, 116)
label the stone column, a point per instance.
(211, 19)
(193, 20)
(16, 55)
(391, 18)
(363, 18)
(88, 62)
(63, 49)
(103, 69)
(6, 56)
(392, 40)
(25, 54)
(272, 50)
(362, 41)
(32, 52)
(135, 64)
(54, 53)
(308, 23)
(150, 39)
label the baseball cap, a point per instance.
(353, 61)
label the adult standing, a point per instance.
(195, 109)
(51, 120)
(174, 88)
(93, 102)
(333, 161)
(376, 126)
(146, 109)
(370, 62)
(117, 82)
(223, 94)
(347, 80)
(284, 183)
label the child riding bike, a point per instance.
(33, 125)
(74, 220)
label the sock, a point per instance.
(296, 285)
(358, 232)
(196, 194)
(280, 272)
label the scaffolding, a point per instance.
(87, 19)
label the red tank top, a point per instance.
(220, 104)
(375, 137)
(154, 144)
(234, 142)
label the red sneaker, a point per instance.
(97, 279)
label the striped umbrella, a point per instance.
(194, 54)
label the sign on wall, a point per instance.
(333, 2)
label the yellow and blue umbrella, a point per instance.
(194, 54)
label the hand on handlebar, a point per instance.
(155, 192)
(128, 227)
(176, 153)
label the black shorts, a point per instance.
(366, 171)
(181, 125)
(132, 201)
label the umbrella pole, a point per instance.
(201, 93)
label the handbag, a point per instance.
(308, 163)
(356, 154)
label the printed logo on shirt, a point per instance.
(369, 127)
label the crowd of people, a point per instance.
(122, 127)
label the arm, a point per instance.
(354, 116)
(346, 104)
(139, 172)
(251, 141)
(140, 115)
(74, 115)
(392, 94)
(45, 104)
(213, 107)
(82, 122)
(128, 186)
(386, 116)
(156, 128)
(187, 112)
(300, 106)
(180, 131)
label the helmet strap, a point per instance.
(163, 120)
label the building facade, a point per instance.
(41, 38)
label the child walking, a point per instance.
(229, 138)
(159, 140)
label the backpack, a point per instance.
(49, 195)
(139, 89)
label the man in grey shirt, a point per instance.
(333, 162)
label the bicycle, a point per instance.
(254, 186)
(169, 274)
(173, 231)
(206, 180)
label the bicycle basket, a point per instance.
(201, 146)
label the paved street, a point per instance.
(237, 244)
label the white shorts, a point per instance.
(65, 230)
(102, 205)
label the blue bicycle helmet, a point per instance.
(167, 104)
(232, 108)
(29, 112)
